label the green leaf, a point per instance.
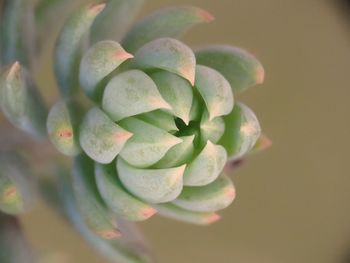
(151, 185)
(97, 63)
(148, 145)
(118, 200)
(209, 198)
(168, 22)
(177, 213)
(160, 119)
(240, 68)
(100, 137)
(69, 47)
(62, 127)
(115, 19)
(21, 102)
(207, 166)
(211, 129)
(17, 189)
(131, 93)
(215, 91)
(176, 91)
(89, 203)
(241, 133)
(168, 54)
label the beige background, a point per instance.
(293, 200)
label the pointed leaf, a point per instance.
(240, 68)
(131, 93)
(151, 185)
(69, 47)
(21, 102)
(115, 19)
(148, 145)
(97, 63)
(177, 213)
(209, 198)
(241, 133)
(89, 202)
(62, 127)
(100, 137)
(176, 91)
(117, 198)
(211, 129)
(207, 166)
(160, 119)
(168, 54)
(261, 144)
(168, 22)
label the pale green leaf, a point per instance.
(211, 129)
(160, 119)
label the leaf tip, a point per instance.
(260, 75)
(15, 67)
(97, 8)
(109, 234)
(149, 212)
(123, 55)
(205, 15)
(213, 218)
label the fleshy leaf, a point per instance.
(69, 47)
(177, 213)
(131, 93)
(17, 191)
(151, 185)
(215, 90)
(62, 127)
(97, 63)
(239, 67)
(117, 198)
(176, 91)
(21, 102)
(261, 144)
(207, 166)
(241, 133)
(209, 198)
(115, 19)
(168, 54)
(100, 137)
(211, 129)
(148, 145)
(168, 22)
(160, 119)
(89, 202)
(178, 154)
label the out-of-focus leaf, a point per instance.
(261, 144)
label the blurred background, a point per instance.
(293, 200)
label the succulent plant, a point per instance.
(160, 124)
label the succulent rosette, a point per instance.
(164, 121)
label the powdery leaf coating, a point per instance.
(211, 130)
(100, 138)
(207, 166)
(118, 200)
(97, 63)
(151, 185)
(168, 54)
(209, 198)
(239, 67)
(130, 93)
(168, 22)
(148, 145)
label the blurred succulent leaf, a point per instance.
(148, 145)
(97, 63)
(88, 201)
(21, 102)
(241, 133)
(206, 166)
(211, 129)
(17, 189)
(151, 185)
(215, 91)
(115, 19)
(176, 91)
(160, 119)
(69, 47)
(261, 144)
(199, 218)
(118, 200)
(168, 54)
(209, 198)
(130, 93)
(168, 22)
(101, 138)
(239, 67)
(62, 126)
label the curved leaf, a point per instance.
(160, 119)
(261, 144)
(211, 129)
